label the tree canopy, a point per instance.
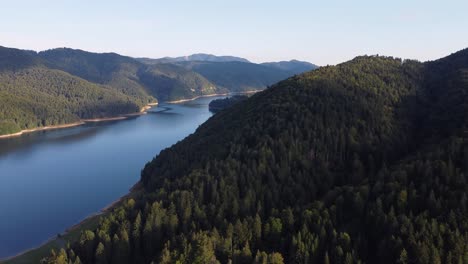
(363, 162)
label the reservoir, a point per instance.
(51, 180)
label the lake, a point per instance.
(51, 180)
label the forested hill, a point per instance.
(235, 74)
(165, 79)
(63, 85)
(193, 57)
(292, 66)
(238, 76)
(33, 95)
(128, 75)
(364, 162)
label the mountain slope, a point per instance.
(124, 84)
(173, 82)
(235, 74)
(111, 69)
(292, 66)
(15, 59)
(345, 164)
(446, 97)
(32, 95)
(193, 57)
(129, 76)
(238, 76)
(37, 97)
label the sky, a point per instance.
(324, 32)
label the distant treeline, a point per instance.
(64, 85)
(220, 104)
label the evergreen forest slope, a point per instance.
(363, 162)
(65, 85)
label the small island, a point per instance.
(220, 104)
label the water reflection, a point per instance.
(50, 180)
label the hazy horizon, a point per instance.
(323, 33)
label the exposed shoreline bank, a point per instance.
(80, 122)
(57, 241)
(194, 98)
(107, 208)
(17, 134)
(209, 95)
(78, 225)
(115, 118)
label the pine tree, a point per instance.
(100, 255)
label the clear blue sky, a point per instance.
(322, 32)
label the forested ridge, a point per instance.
(293, 66)
(223, 103)
(39, 97)
(33, 95)
(129, 76)
(64, 85)
(363, 162)
(237, 76)
(175, 82)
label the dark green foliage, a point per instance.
(8, 127)
(193, 57)
(293, 66)
(164, 79)
(64, 85)
(173, 82)
(130, 76)
(220, 104)
(234, 74)
(37, 96)
(346, 164)
(15, 59)
(238, 76)
(119, 72)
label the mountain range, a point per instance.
(363, 162)
(65, 85)
(194, 57)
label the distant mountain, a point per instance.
(238, 76)
(128, 75)
(173, 82)
(194, 57)
(16, 59)
(64, 85)
(117, 71)
(33, 95)
(234, 73)
(293, 66)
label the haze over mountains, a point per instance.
(65, 85)
(363, 162)
(195, 57)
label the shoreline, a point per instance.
(209, 95)
(132, 190)
(80, 122)
(106, 209)
(115, 118)
(17, 134)
(194, 98)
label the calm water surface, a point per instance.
(51, 180)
